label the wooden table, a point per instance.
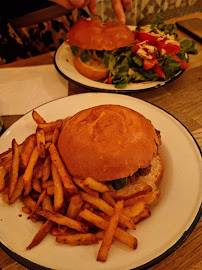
(183, 99)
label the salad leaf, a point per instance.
(187, 46)
(85, 56)
(75, 50)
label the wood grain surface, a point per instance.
(183, 99)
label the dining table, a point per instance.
(182, 98)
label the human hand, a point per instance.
(70, 4)
(119, 6)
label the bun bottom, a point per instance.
(92, 69)
(144, 184)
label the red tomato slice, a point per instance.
(109, 80)
(135, 48)
(146, 36)
(148, 64)
(174, 56)
(184, 64)
(158, 70)
(171, 48)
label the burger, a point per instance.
(114, 144)
(90, 39)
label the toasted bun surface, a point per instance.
(95, 35)
(92, 69)
(107, 142)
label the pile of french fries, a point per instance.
(75, 211)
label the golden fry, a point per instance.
(110, 232)
(47, 203)
(95, 185)
(148, 198)
(29, 171)
(133, 210)
(106, 208)
(36, 184)
(41, 234)
(40, 138)
(58, 188)
(2, 179)
(50, 190)
(75, 206)
(18, 190)
(40, 199)
(101, 223)
(144, 214)
(48, 127)
(108, 199)
(46, 169)
(69, 186)
(14, 168)
(77, 239)
(79, 183)
(37, 118)
(55, 136)
(63, 220)
(28, 147)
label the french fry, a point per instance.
(5, 195)
(46, 169)
(27, 177)
(40, 139)
(95, 185)
(40, 199)
(77, 239)
(69, 186)
(144, 214)
(101, 223)
(100, 235)
(63, 220)
(133, 210)
(47, 203)
(41, 234)
(108, 199)
(110, 232)
(2, 179)
(75, 206)
(58, 188)
(60, 230)
(106, 208)
(148, 198)
(27, 149)
(47, 184)
(48, 136)
(36, 184)
(37, 118)
(50, 190)
(48, 127)
(79, 183)
(5, 157)
(7, 165)
(18, 190)
(55, 136)
(26, 210)
(14, 169)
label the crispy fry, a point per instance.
(47, 127)
(144, 214)
(63, 220)
(47, 184)
(148, 198)
(40, 139)
(69, 186)
(101, 223)
(37, 118)
(95, 185)
(2, 179)
(106, 208)
(29, 171)
(110, 232)
(14, 168)
(77, 239)
(18, 190)
(50, 190)
(26, 210)
(6, 157)
(36, 184)
(74, 207)
(41, 234)
(5, 195)
(55, 136)
(58, 188)
(133, 210)
(28, 147)
(108, 199)
(47, 203)
(79, 183)
(46, 169)
(48, 136)
(7, 165)
(40, 199)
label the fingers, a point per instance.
(66, 4)
(118, 9)
(92, 6)
(127, 4)
(77, 3)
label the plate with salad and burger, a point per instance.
(114, 57)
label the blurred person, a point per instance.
(23, 42)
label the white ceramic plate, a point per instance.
(63, 61)
(171, 221)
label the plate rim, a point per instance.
(115, 90)
(32, 265)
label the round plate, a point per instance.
(172, 219)
(63, 61)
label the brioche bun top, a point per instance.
(107, 142)
(95, 35)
